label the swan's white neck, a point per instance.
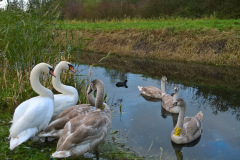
(174, 119)
(181, 117)
(163, 86)
(36, 85)
(64, 89)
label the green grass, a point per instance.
(141, 24)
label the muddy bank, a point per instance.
(206, 47)
(222, 77)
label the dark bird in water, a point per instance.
(122, 84)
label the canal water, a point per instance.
(145, 127)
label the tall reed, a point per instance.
(26, 39)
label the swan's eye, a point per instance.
(71, 68)
(51, 72)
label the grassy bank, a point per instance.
(174, 24)
(200, 41)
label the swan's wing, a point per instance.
(80, 109)
(167, 101)
(20, 110)
(192, 125)
(61, 99)
(65, 112)
(151, 91)
(187, 119)
(68, 114)
(62, 102)
(38, 114)
(83, 129)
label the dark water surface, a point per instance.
(145, 127)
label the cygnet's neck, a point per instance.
(181, 117)
(100, 95)
(35, 82)
(175, 96)
(163, 86)
(91, 99)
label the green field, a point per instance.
(175, 24)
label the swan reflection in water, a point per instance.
(150, 99)
(178, 147)
(165, 113)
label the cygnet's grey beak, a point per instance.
(90, 91)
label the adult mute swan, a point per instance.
(187, 129)
(33, 115)
(84, 133)
(55, 128)
(154, 92)
(69, 96)
(168, 100)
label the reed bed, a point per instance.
(27, 39)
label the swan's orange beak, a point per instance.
(71, 68)
(51, 72)
(172, 94)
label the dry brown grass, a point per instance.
(211, 47)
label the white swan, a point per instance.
(69, 96)
(187, 129)
(55, 128)
(84, 133)
(154, 92)
(167, 101)
(33, 115)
